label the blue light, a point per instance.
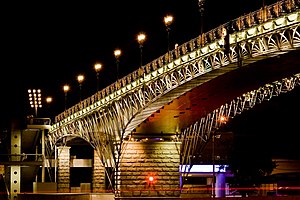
(202, 168)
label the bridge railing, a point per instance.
(137, 77)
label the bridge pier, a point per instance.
(150, 169)
(63, 171)
(98, 174)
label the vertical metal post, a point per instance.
(213, 162)
(43, 155)
(169, 53)
(65, 100)
(35, 111)
(36, 159)
(168, 32)
(117, 68)
(201, 10)
(97, 81)
(141, 51)
(80, 92)
(168, 21)
(55, 163)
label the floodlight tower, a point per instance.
(35, 99)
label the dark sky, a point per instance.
(46, 44)
(271, 127)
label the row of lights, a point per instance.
(35, 98)
(168, 20)
(141, 37)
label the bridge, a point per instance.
(163, 114)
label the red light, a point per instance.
(151, 179)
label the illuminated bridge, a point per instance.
(164, 113)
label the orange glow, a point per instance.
(151, 179)
(98, 67)
(117, 53)
(223, 119)
(80, 78)
(66, 88)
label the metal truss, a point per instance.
(108, 117)
(194, 138)
(142, 93)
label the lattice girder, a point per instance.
(191, 146)
(116, 118)
(107, 117)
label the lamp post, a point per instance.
(168, 20)
(117, 54)
(141, 39)
(49, 100)
(201, 10)
(97, 67)
(80, 79)
(66, 89)
(35, 99)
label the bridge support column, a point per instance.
(15, 170)
(220, 185)
(63, 176)
(98, 174)
(150, 169)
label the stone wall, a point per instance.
(152, 158)
(63, 171)
(98, 174)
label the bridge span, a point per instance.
(181, 96)
(154, 120)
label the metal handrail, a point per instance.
(262, 15)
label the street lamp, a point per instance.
(117, 54)
(141, 39)
(35, 99)
(66, 89)
(80, 79)
(49, 99)
(201, 10)
(97, 67)
(168, 20)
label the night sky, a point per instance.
(46, 44)
(271, 127)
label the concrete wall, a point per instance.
(143, 159)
